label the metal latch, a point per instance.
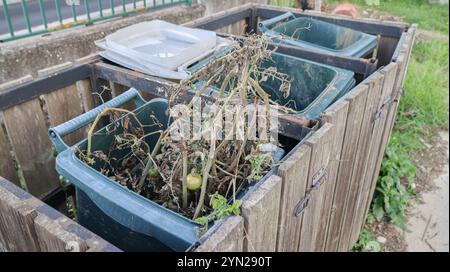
(317, 180)
(387, 101)
(398, 95)
(301, 206)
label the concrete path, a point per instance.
(428, 222)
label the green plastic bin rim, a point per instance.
(364, 45)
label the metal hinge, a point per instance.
(387, 101)
(317, 181)
(398, 95)
(301, 206)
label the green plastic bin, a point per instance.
(314, 86)
(316, 35)
(126, 219)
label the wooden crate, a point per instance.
(316, 200)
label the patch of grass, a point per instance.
(429, 17)
(282, 3)
(425, 103)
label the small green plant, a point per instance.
(70, 201)
(221, 209)
(367, 242)
(394, 188)
(259, 162)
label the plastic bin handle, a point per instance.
(267, 24)
(56, 133)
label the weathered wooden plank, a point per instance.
(117, 89)
(53, 238)
(386, 49)
(57, 233)
(7, 165)
(16, 219)
(227, 237)
(260, 212)
(336, 115)
(63, 105)
(396, 80)
(321, 145)
(359, 166)
(85, 92)
(402, 61)
(26, 127)
(294, 175)
(362, 160)
(374, 160)
(27, 224)
(357, 102)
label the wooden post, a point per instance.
(260, 211)
(294, 175)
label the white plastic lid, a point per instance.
(161, 43)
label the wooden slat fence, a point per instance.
(316, 200)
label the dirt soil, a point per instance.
(428, 220)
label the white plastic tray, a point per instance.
(141, 65)
(161, 43)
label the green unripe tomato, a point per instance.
(153, 173)
(194, 181)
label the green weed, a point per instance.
(366, 242)
(221, 209)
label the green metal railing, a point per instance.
(77, 18)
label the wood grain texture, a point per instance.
(402, 63)
(260, 212)
(294, 175)
(63, 105)
(117, 89)
(28, 224)
(26, 127)
(228, 237)
(387, 46)
(357, 102)
(53, 237)
(85, 92)
(321, 148)
(336, 115)
(16, 219)
(377, 144)
(360, 170)
(7, 165)
(372, 84)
